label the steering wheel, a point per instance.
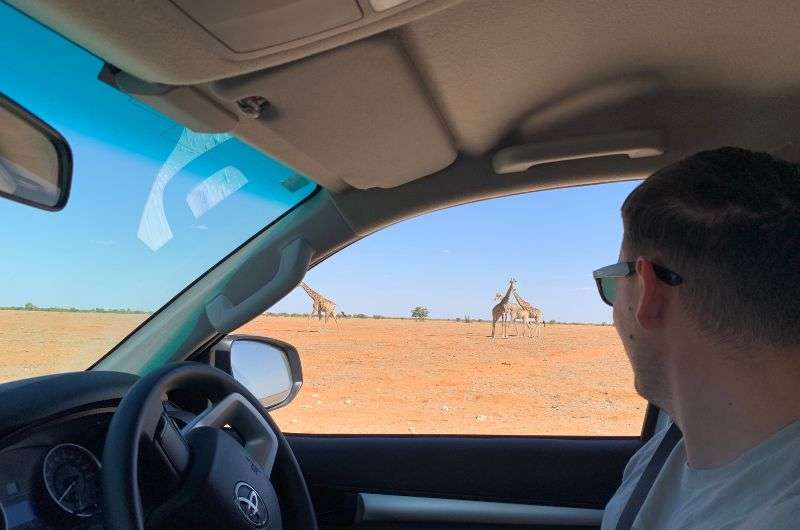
(217, 480)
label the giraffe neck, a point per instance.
(508, 294)
(309, 291)
(522, 302)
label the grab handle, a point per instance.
(634, 144)
(295, 259)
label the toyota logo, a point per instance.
(250, 504)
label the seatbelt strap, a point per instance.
(647, 479)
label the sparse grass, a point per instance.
(465, 320)
(31, 307)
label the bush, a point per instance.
(420, 313)
(360, 315)
(377, 316)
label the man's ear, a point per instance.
(652, 296)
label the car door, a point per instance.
(413, 415)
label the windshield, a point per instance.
(153, 206)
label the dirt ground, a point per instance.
(388, 376)
(44, 342)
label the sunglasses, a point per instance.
(607, 277)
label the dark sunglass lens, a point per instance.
(609, 286)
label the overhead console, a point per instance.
(252, 25)
(254, 28)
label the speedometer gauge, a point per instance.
(72, 478)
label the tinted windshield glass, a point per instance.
(153, 206)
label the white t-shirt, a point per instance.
(759, 490)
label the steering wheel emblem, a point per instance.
(250, 504)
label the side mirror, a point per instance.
(35, 160)
(268, 368)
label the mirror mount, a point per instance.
(261, 354)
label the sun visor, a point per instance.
(361, 111)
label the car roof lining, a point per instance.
(473, 77)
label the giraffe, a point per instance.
(515, 312)
(500, 310)
(321, 305)
(536, 318)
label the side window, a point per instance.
(410, 350)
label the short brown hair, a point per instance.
(727, 221)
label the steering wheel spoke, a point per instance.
(236, 412)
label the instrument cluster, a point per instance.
(51, 478)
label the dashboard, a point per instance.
(52, 433)
(51, 479)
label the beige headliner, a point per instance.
(491, 73)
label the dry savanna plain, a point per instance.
(392, 376)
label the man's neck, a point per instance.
(725, 405)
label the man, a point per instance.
(706, 301)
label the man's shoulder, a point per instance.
(778, 516)
(630, 477)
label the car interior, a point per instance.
(394, 108)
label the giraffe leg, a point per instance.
(335, 320)
(516, 329)
(308, 322)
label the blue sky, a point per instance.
(454, 260)
(91, 255)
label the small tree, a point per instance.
(420, 313)
(29, 307)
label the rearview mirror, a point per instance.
(268, 368)
(35, 160)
